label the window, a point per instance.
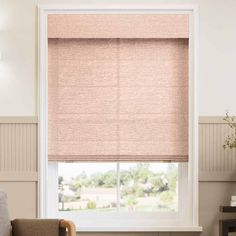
(129, 194)
(105, 187)
(118, 134)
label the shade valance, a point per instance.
(118, 100)
(118, 26)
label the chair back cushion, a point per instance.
(5, 224)
(35, 227)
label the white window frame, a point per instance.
(189, 176)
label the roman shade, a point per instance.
(118, 26)
(117, 98)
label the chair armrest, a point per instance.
(69, 225)
(47, 227)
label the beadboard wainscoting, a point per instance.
(18, 164)
(216, 163)
(19, 171)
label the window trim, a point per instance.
(192, 178)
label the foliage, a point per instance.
(60, 180)
(137, 182)
(230, 141)
(166, 196)
(75, 185)
(132, 201)
(91, 205)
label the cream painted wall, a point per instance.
(18, 43)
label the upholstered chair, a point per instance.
(32, 227)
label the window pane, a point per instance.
(87, 186)
(148, 187)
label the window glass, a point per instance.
(87, 186)
(148, 187)
(140, 186)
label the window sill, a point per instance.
(140, 229)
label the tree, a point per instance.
(60, 180)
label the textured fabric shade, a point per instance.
(118, 26)
(118, 99)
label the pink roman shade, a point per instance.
(118, 26)
(118, 99)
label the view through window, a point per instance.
(118, 187)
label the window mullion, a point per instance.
(118, 185)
